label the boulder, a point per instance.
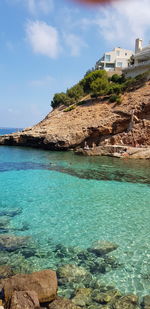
(127, 302)
(62, 303)
(24, 300)
(103, 247)
(12, 242)
(106, 297)
(146, 302)
(44, 283)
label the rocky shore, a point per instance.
(96, 122)
(39, 290)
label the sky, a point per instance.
(46, 46)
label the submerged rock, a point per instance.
(103, 247)
(12, 242)
(83, 297)
(68, 273)
(44, 283)
(107, 297)
(127, 302)
(10, 213)
(62, 303)
(146, 302)
(24, 300)
(5, 271)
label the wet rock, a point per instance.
(62, 303)
(12, 242)
(5, 271)
(103, 247)
(44, 283)
(146, 302)
(127, 302)
(24, 300)
(11, 213)
(68, 273)
(83, 297)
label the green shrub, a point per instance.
(115, 98)
(115, 89)
(75, 93)
(59, 99)
(86, 82)
(100, 86)
(115, 78)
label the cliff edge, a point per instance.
(96, 122)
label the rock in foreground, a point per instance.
(43, 283)
(24, 300)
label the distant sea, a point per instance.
(9, 130)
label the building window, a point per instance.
(118, 53)
(107, 58)
(119, 64)
(126, 54)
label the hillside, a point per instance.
(96, 121)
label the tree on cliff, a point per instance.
(100, 86)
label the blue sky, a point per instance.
(48, 45)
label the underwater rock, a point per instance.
(4, 224)
(10, 213)
(44, 283)
(62, 303)
(106, 297)
(146, 302)
(5, 271)
(72, 272)
(102, 247)
(24, 299)
(83, 297)
(12, 242)
(127, 302)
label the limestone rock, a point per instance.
(44, 283)
(24, 300)
(61, 303)
(103, 247)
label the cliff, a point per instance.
(96, 122)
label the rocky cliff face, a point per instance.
(96, 121)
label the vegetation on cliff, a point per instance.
(97, 83)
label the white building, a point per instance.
(117, 59)
(141, 60)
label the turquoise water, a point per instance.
(73, 201)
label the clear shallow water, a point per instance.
(74, 201)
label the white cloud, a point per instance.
(43, 38)
(75, 43)
(124, 21)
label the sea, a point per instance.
(65, 203)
